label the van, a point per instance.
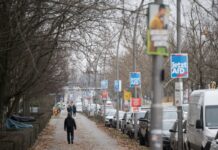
(202, 121)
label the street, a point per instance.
(87, 136)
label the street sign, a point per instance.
(178, 93)
(135, 79)
(117, 86)
(179, 65)
(136, 102)
(127, 95)
(104, 84)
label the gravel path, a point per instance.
(87, 136)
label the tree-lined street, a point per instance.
(141, 74)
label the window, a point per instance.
(169, 115)
(211, 117)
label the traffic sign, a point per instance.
(179, 65)
(104, 84)
(135, 79)
(117, 85)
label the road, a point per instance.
(87, 137)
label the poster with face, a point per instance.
(157, 33)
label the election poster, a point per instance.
(157, 32)
(179, 65)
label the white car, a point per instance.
(109, 117)
(79, 107)
(202, 122)
(214, 145)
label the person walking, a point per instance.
(74, 110)
(69, 109)
(70, 126)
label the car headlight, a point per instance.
(209, 138)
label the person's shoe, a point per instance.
(72, 142)
(68, 142)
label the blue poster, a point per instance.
(104, 84)
(179, 65)
(117, 85)
(135, 79)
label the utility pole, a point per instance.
(134, 64)
(179, 108)
(156, 107)
(117, 76)
(117, 68)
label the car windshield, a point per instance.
(109, 107)
(140, 115)
(185, 108)
(169, 115)
(121, 114)
(111, 113)
(167, 125)
(211, 116)
(128, 115)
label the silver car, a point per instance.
(125, 122)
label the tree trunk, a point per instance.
(26, 107)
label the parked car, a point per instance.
(79, 106)
(174, 136)
(131, 127)
(214, 143)
(125, 122)
(169, 117)
(202, 122)
(114, 121)
(185, 110)
(108, 108)
(109, 117)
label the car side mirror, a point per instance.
(199, 124)
(172, 131)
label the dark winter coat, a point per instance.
(74, 109)
(69, 109)
(69, 123)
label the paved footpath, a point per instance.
(87, 136)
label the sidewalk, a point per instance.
(87, 137)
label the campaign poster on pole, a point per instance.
(104, 84)
(127, 95)
(104, 95)
(135, 79)
(136, 102)
(117, 85)
(179, 65)
(157, 32)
